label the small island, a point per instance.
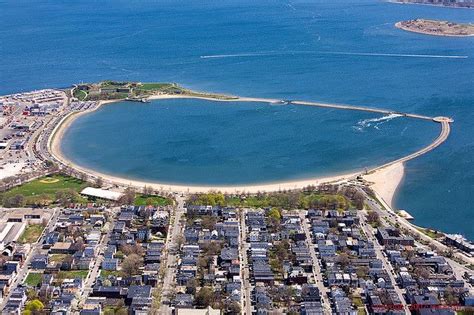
(443, 3)
(438, 28)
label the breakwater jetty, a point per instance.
(442, 137)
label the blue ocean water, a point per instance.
(201, 142)
(344, 51)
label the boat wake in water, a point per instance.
(363, 54)
(375, 122)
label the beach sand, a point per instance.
(385, 181)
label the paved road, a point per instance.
(317, 274)
(94, 272)
(386, 264)
(36, 247)
(244, 266)
(390, 216)
(171, 250)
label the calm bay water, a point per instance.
(202, 142)
(334, 51)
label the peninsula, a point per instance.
(444, 3)
(134, 91)
(437, 28)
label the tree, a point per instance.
(209, 199)
(128, 197)
(99, 182)
(147, 190)
(362, 272)
(191, 286)
(31, 294)
(275, 214)
(67, 196)
(83, 176)
(15, 201)
(343, 260)
(211, 248)
(131, 264)
(40, 200)
(132, 249)
(34, 306)
(208, 222)
(204, 297)
(359, 200)
(274, 218)
(234, 308)
(450, 296)
(373, 218)
(422, 272)
(50, 164)
(121, 311)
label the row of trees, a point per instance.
(285, 200)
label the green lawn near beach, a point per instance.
(144, 200)
(31, 234)
(43, 191)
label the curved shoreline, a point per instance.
(54, 147)
(381, 171)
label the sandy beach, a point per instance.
(385, 181)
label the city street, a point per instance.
(386, 264)
(318, 278)
(171, 250)
(244, 266)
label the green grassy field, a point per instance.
(56, 258)
(33, 278)
(31, 233)
(154, 86)
(71, 274)
(431, 233)
(142, 200)
(107, 273)
(45, 188)
(80, 94)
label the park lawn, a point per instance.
(47, 187)
(80, 94)
(33, 278)
(143, 200)
(430, 233)
(107, 273)
(31, 234)
(55, 258)
(71, 274)
(154, 86)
